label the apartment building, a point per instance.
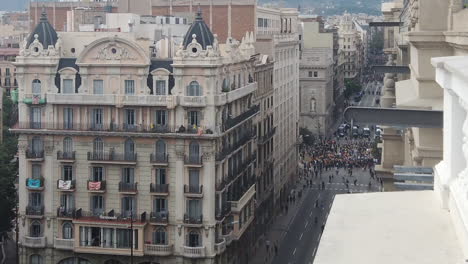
(123, 155)
(265, 144)
(316, 77)
(7, 69)
(350, 44)
(277, 36)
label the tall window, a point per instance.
(98, 87)
(160, 236)
(36, 259)
(97, 174)
(194, 89)
(68, 118)
(68, 86)
(160, 87)
(36, 170)
(97, 204)
(128, 175)
(36, 117)
(128, 206)
(129, 118)
(35, 199)
(96, 118)
(67, 202)
(67, 230)
(160, 148)
(129, 149)
(160, 205)
(67, 145)
(35, 230)
(160, 176)
(37, 145)
(67, 173)
(194, 208)
(161, 117)
(194, 118)
(194, 180)
(36, 87)
(129, 87)
(194, 239)
(98, 146)
(194, 150)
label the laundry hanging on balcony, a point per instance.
(34, 183)
(94, 186)
(64, 185)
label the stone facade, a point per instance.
(113, 141)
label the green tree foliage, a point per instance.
(352, 87)
(8, 170)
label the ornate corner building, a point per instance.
(123, 155)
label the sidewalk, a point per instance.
(278, 230)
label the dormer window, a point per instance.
(194, 89)
(68, 86)
(36, 87)
(160, 87)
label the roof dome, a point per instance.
(46, 34)
(200, 31)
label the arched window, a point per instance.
(98, 147)
(194, 89)
(160, 149)
(36, 86)
(74, 260)
(194, 151)
(67, 231)
(160, 236)
(35, 229)
(129, 148)
(36, 259)
(67, 145)
(194, 239)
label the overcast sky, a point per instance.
(13, 5)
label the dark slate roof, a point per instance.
(68, 62)
(201, 30)
(45, 32)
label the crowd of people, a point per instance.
(338, 157)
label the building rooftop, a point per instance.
(389, 228)
(201, 31)
(44, 31)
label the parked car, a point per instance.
(366, 132)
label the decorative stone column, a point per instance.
(388, 98)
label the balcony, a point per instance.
(66, 186)
(228, 238)
(159, 217)
(193, 220)
(192, 101)
(232, 122)
(220, 246)
(158, 250)
(195, 191)
(146, 100)
(35, 155)
(65, 212)
(66, 156)
(129, 188)
(34, 242)
(112, 157)
(35, 99)
(81, 99)
(35, 184)
(220, 214)
(111, 216)
(193, 161)
(265, 138)
(67, 244)
(96, 186)
(34, 211)
(159, 189)
(193, 252)
(236, 206)
(159, 159)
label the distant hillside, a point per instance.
(332, 7)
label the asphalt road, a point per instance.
(300, 243)
(369, 99)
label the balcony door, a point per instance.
(160, 206)
(97, 204)
(67, 173)
(36, 117)
(194, 209)
(160, 150)
(35, 199)
(96, 118)
(97, 174)
(129, 149)
(160, 176)
(193, 239)
(67, 202)
(128, 175)
(67, 146)
(98, 147)
(130, 118)
(129, 206)
(194, 180)
(68, 118)
(194, 151)
(37, 146)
